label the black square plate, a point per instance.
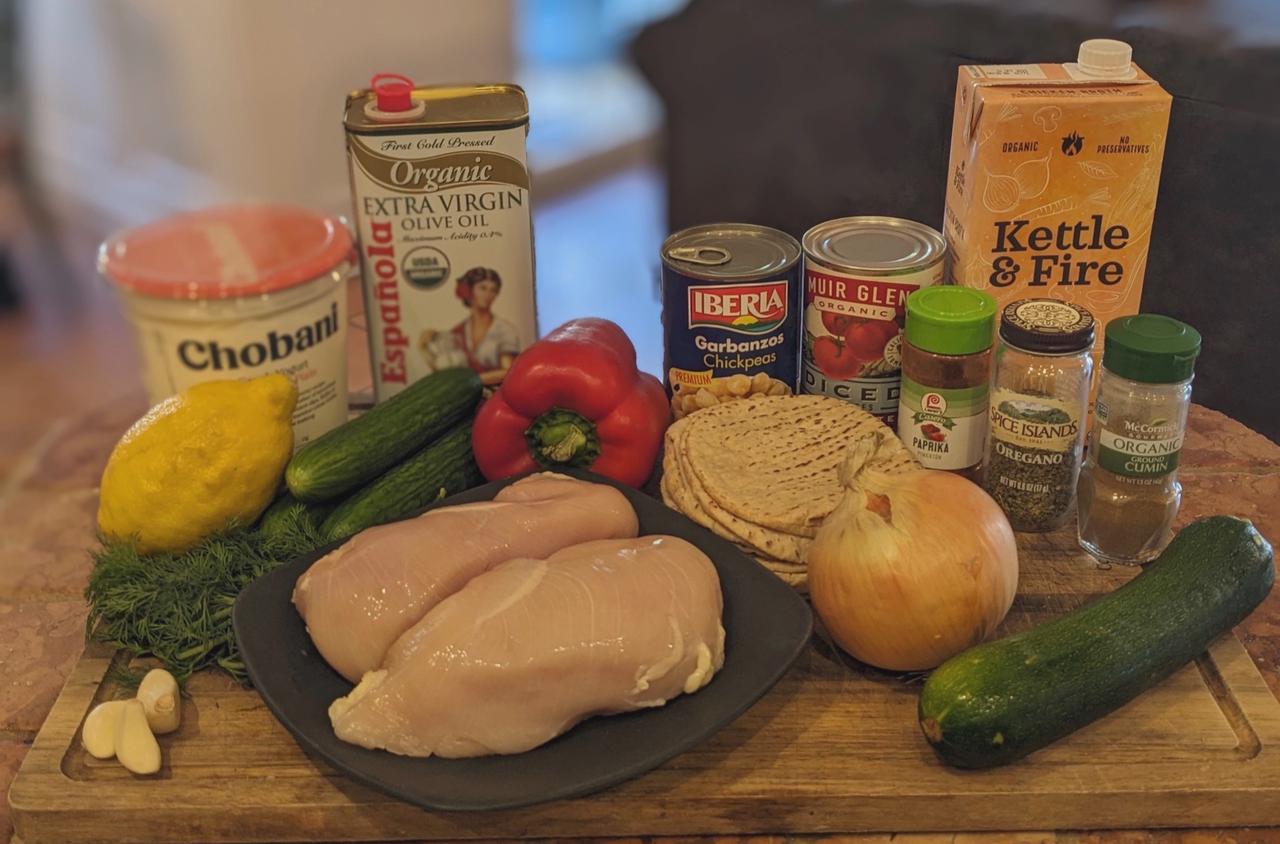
(766, 627)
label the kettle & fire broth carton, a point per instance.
(1052, 179)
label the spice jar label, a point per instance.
(944, 428)
(1148, 451)
(1031, 469)
(1033, 422)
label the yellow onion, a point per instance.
(910, 568)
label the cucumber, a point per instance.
(997, 702)
(287, 513)
(362, 449)
(441, 469)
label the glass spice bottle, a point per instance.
(1039, 398)
(1129, 490)
(946, 370)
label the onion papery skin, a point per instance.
(911, 569)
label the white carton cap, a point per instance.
(1105, 58)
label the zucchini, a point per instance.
(997, 702)
(441, 469)
(362, 449)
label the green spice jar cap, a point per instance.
(950, 320)
(1150, 348)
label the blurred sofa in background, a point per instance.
(790, 112)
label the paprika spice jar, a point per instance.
(946, 367)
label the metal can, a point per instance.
(730, 314)
(441, 191)
(858, 272)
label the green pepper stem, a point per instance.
(561, 437)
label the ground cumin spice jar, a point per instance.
(1129, 490)
(1039, 396)
(946, 367)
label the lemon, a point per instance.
(211, 454)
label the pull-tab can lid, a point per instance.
(730, 252)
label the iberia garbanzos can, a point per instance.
(858, 272)
(441, 191)
(236, 292)
(730, 314)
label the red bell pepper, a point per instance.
(574, 398)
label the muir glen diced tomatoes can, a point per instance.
(858, 272)
(730, 314)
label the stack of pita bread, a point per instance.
(764, 473)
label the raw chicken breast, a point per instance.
(357, 599)
(532, 647)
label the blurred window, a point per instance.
(574, 33)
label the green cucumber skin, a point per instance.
(362, 449)
(999, 701)
(446, 464)
(273, 518)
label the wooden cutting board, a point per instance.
(833, 748)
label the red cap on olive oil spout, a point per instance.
(394, 91)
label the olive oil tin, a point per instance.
(730, 314)
(440, 185)
(858, 272)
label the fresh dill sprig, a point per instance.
(177, 607)
(124, 677)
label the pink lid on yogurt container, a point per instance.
(226, 252)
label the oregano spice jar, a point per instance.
(946, 369)
(1039, 396)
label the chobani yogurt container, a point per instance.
(236, 292)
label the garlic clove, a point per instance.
(162, 701)
(136, 747)
(99, 732)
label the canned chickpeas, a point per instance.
(730, 314)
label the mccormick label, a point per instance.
(1141, 452)
(1052, 183)
(853, 343)
(443, 216)
(730, 339)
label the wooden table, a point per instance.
(46, 523)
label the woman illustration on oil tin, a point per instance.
(483, 341)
